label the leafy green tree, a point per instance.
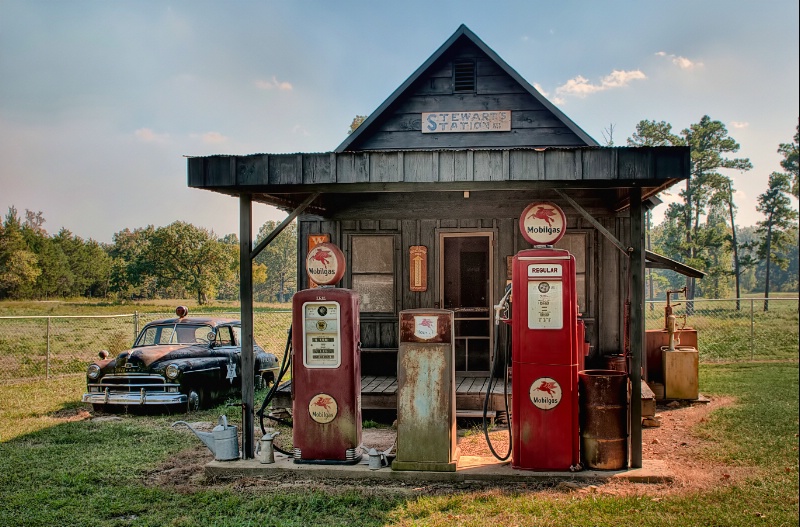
(19, 266)
(89, 263)
(280, 261)
(706, 187)
(181, 255)
(128, 276)
(776, 227)
(789, 151)
(358, 120)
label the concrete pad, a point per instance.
(470, 468)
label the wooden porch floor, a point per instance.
(380, 393)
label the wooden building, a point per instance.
(424, 199)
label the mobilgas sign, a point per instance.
(325, 264)
(543, 223)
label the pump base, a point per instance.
(356, 460)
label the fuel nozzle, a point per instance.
(501, 310)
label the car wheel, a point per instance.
(193, 402)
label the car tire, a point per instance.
(193, 401)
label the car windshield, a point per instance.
(158, 334)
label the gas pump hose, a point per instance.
(285, 363)
(492, 382)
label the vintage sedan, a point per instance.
(184, 362)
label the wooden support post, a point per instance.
(246, 296)
(637, 275)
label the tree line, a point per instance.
(181, 260)
(176, 261)
(700, 229)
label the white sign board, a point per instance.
(466, 121)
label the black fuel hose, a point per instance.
(285, 364)
(489, 388)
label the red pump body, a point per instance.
(547, 347)
(326, 376)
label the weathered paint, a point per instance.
(426, 431)
(604, 419)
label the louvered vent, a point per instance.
(464, 77)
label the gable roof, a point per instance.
(371, 124)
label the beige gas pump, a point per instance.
(426, 392)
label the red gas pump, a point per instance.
(546, 347)
(326, 365)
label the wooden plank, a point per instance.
(317, 169)
(416, 104)
(373, 385)
(524, 165)
(252, 170)
(533, 137)
(366, 380)
(384, 386)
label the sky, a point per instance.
(100, 102)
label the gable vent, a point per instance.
(464, 76)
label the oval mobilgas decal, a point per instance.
(543, 223)
(545, 393)
(323, 408)
(325, 264)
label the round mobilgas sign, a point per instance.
(543, 223)
(323, 408)
(545, 393)
(325, 264)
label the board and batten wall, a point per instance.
(606, 271)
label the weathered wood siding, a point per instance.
(532, 124)
(606, 269)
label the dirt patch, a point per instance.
(674, 442)
(71, 414)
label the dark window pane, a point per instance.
(478, 355)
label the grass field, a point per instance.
(58, 469)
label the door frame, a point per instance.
(491, 234)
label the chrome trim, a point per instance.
(137, 399)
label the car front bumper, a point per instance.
(131, 399)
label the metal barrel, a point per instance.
(604, 419)
(616, 362)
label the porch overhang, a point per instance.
(286, 180)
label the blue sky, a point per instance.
(100, 101)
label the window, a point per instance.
(372, 271)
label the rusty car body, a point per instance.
(184, 362)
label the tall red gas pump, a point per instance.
(326, 365)
(547, 347)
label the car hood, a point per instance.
(147, 355)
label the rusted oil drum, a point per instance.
(616, 362)
(604, 419)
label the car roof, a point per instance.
(212, 321)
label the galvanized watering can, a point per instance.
(265, 451)
(222, 440)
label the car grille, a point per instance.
(132, 384)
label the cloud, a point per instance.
(147, 135)
(274, 84)
(682, 62)
(211, 138)
(297, 129)
(540, 89)
(740, 124)
(580, 86)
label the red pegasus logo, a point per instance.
(324, 402)
(426, 323)
(323, 256)
(547, 387)
(543, 213)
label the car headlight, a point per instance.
(93, 372)
(172, 371)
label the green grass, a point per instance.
(54, 472)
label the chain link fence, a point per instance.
(735, 329)
(50, 346)
(53, 346)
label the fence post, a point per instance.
(752, 329)
(47, 359)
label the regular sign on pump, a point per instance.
(545, 310)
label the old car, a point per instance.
(184, 362)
